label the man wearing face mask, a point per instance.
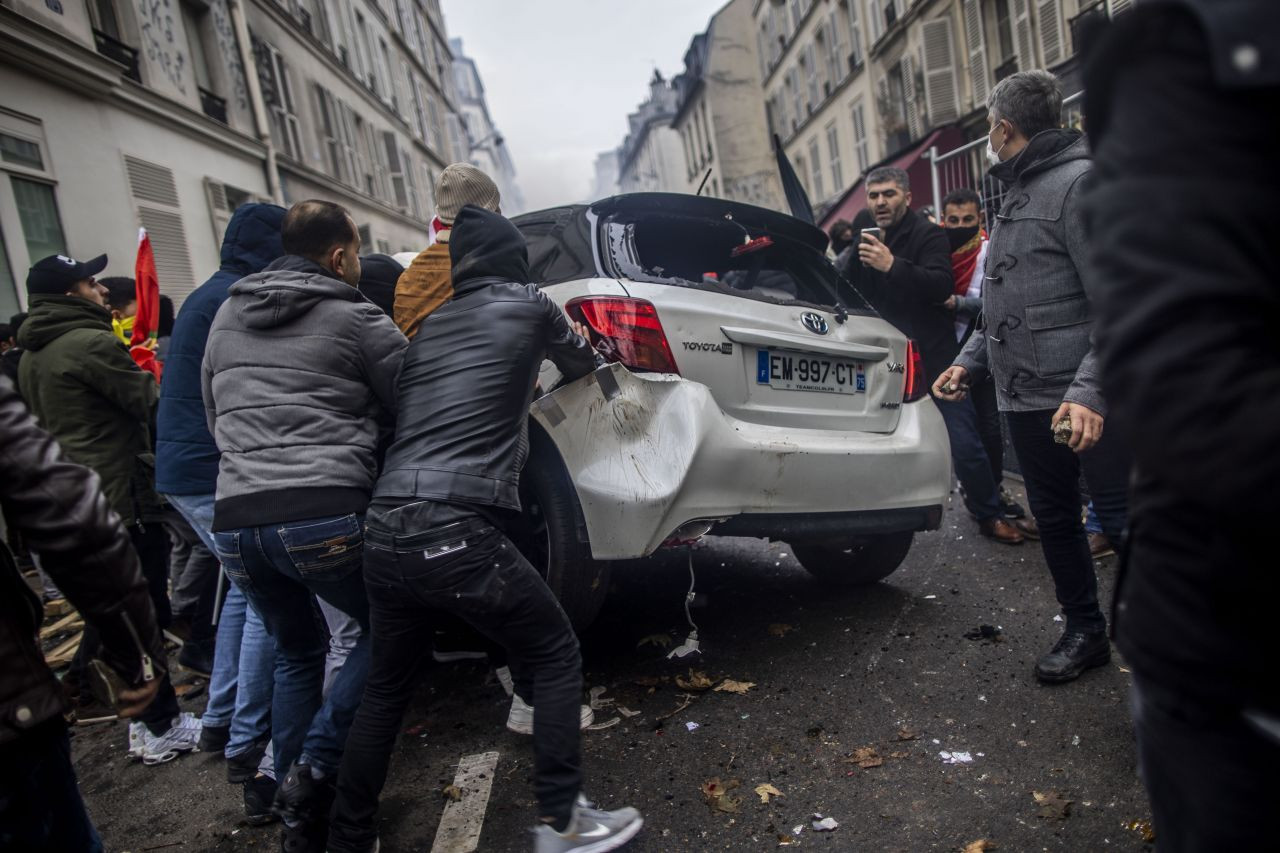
(907, 278)
(299, 374)
(1036, 341)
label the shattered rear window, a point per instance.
(696, 252)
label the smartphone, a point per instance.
(878, 233)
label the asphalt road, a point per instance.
(834, 671)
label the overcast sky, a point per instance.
(561, 75)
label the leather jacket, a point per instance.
(468, 375)
(60, 510)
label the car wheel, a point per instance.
(548, 537)
(864, 560)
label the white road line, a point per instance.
(460, 825)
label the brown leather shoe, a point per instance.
(1100, 546)
(1028, 528)
(1001, 531)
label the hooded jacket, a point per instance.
(469, 374)
(59, 509)
(297, 372)
(186, 457)
(85, 389)
(1035, 336)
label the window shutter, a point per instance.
(1050, 14)
(155, 193)
(839, 60)
(1023, 35)
(976, 41)
(909, 92)
(215, 193)
(855, 33)
(941, 98)
(1118, 6)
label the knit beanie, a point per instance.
(462, 184)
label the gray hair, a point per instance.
(888, 173)
(1029, 100)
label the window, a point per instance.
(815, 170)
(809, 64)
(366, 51)
(29, 216)
(193, 22)
(388, 77)
(419, 113)
(833, 153)
(9, 304)
(38, 213)
(273, 77)
(437, 136)
(860, 144)
(706, 127)
(1004, 29)
(105, 19)
(397, 171)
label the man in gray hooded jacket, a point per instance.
(1035, 338)
(299, 375)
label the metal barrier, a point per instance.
(966, 166)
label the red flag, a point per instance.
(146, 323)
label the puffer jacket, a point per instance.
(59, 509)
(84, 388)
(469, 374)
(298, 371)
(186, 457)
(1036, 331)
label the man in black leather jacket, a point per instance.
(434, 540)
(59, 509)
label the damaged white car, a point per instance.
(751, 392)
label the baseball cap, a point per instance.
(57, 274)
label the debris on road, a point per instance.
(452, 793)
(956, 757)
(598, 702)
(697, 680)
(780, 629)
(717, 795)
(823, 824)
(659, 641)
(990, 633)
(765, 791)
(692, 726)
(731, 686)
(982, 845)
(627, 712)
(607, 724)
(1143, 828)
(906, 733)
(865, 757)
(1053, 806)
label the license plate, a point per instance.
(797, 371)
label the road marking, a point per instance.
(460, 825)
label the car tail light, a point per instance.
(628, 331)
(916, 385)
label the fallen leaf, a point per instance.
(905, 733)
(780, 629)
(788, 841)
(661, 641)
(627, 712)
(452, 792)
(717, 796)
(1143, 828)
(731, 686)
(696, 681)
(1053, 806)
(899, 755)
(982, 845)
(865, 757)
(765, 791)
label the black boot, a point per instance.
(303, 803)
(259, 792)
(243, 767)
(1074, 652)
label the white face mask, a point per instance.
(993, 154)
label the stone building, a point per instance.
(487, 147)
(720, 113)
(170, 113)
(605, 179)
(650, 159)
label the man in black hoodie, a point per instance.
(434, 539)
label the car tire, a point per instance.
(548, 536)
(864, 560)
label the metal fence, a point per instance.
(966, 166)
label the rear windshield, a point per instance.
(696, 252)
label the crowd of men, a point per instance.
(341, 438)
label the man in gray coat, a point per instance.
(298, 381)
(1036, 339)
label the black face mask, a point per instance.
(957, 237)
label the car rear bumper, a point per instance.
(650, 453)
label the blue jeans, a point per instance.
(279, 567)
(969, 457)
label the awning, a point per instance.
(913, 161)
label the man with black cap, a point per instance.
(84, 388)
(434, 539)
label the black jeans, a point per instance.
(40, 803)
(1209, 768)
(471, 570)
(1051, 472)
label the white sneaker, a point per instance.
(504, 678)
(157, 749)
(520, 720)
(590, 831)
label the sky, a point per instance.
(561, 76)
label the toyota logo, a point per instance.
(815, 323)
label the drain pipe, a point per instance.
(255, 99)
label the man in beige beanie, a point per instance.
(426, 285)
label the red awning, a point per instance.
(913, 162)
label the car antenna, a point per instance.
(703, 185)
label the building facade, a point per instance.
(650, 159)
(488, 149)
(605, 180)
(720, 114)
(121, 113)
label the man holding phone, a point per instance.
(903, 268)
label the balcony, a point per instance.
(213, 106)
(119, 53)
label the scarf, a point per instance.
(964, 260)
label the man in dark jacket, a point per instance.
(187, 475)
(85, 389)
(907, 278)
(59, 508)
(1187, 334)
(435, 541)
(1036, 341)
(298, 372)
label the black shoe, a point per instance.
(259, 792)
(1010, 507)
(244, 767)
(213, 738)
(303, 803)
(196, 658)
(1074, 652)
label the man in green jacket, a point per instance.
(84, 388)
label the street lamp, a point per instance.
(495, 136)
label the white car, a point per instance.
(752, 392)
